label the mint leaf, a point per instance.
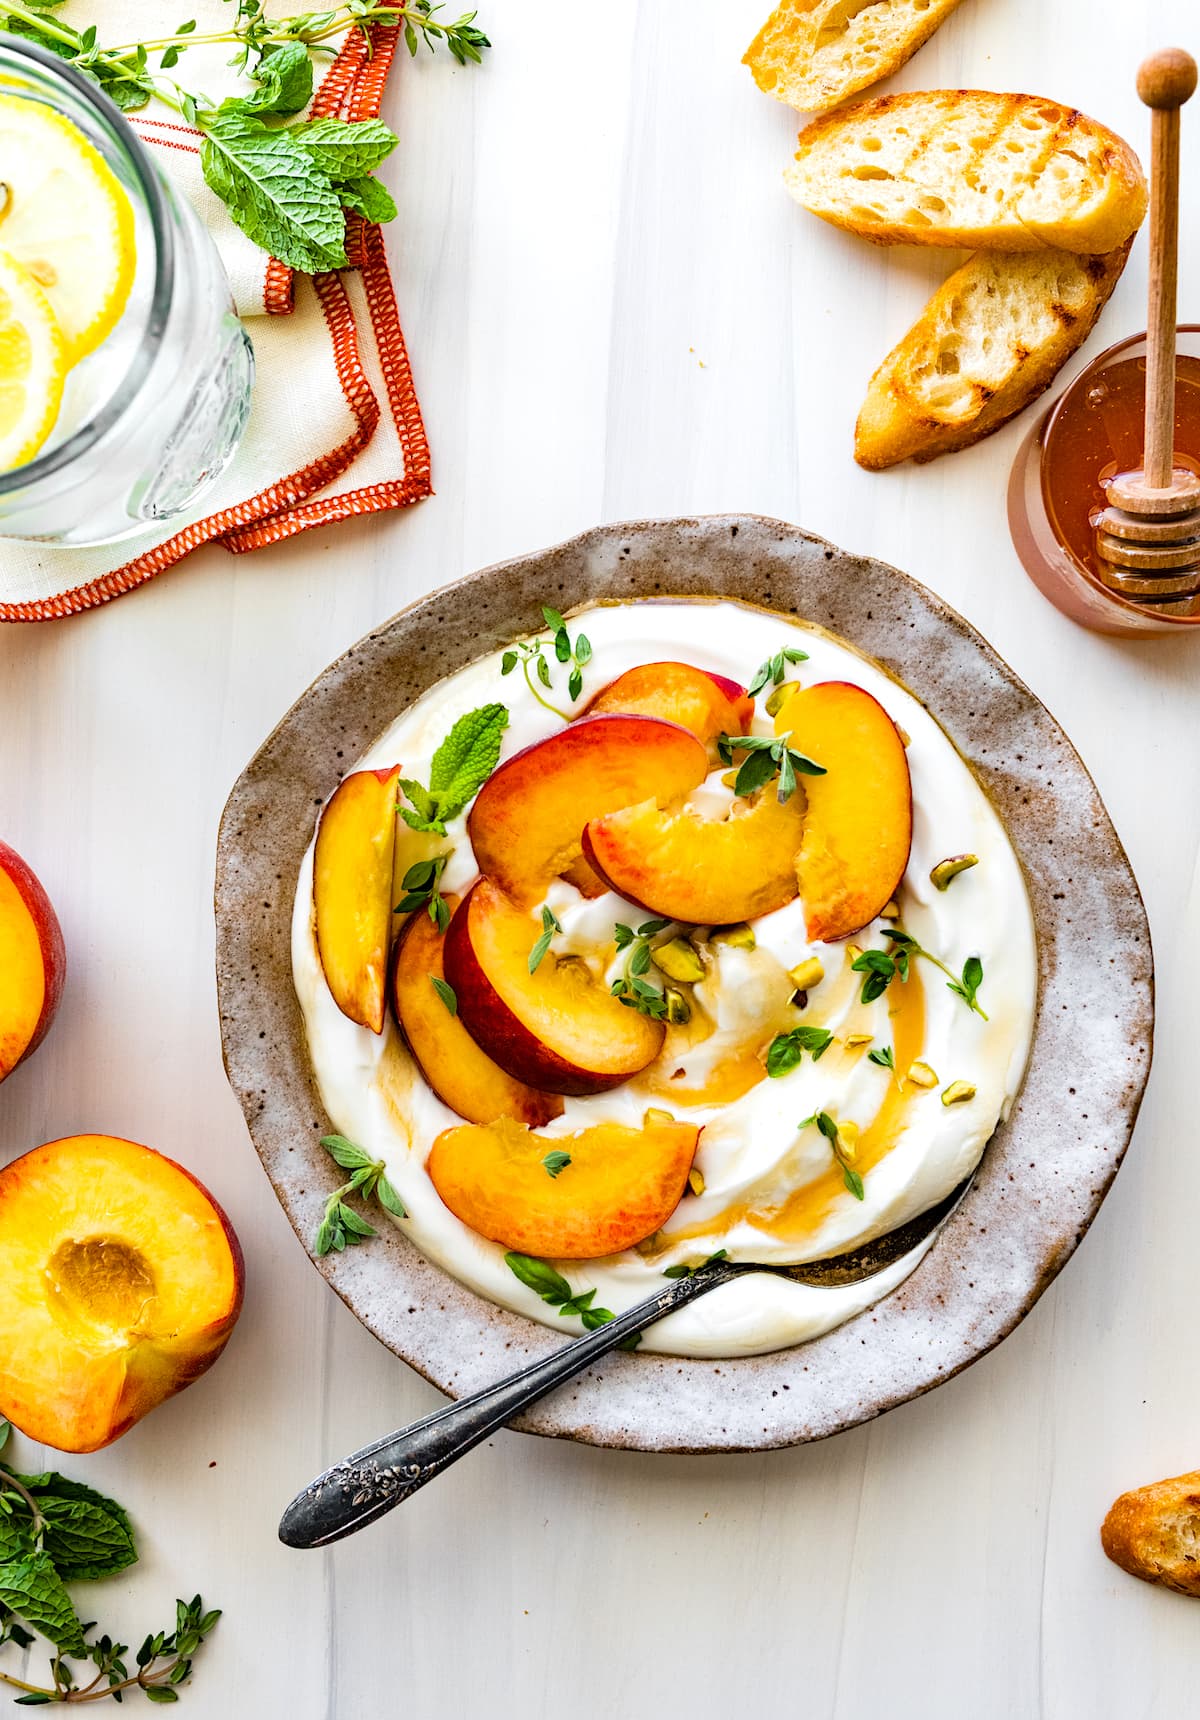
(466, 758)
(33, 1589)
(370, 199)
(540, 1276)
(87, 1535)
(273, 189)
(17, 1539)
(345, 149)
(284, 77)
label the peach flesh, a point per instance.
(33, 961)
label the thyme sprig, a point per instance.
(774, 669)
(341, 1227)
(422, 889)
(842, 1152)
(765, 758)
(881, 967)
(530, 654)
(553, 1289)
(787, 1049)
(632, 987)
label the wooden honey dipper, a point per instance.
(1148, 538)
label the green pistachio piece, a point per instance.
(946, 871)
(679, 1009)
(679, 961)
(780, 697)
(740, 937)
(957, 1093)
(807, 974)
(921, 1075)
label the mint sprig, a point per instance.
(53, 1531)
(423, 889)
(342, 1227)
(553, 1288)
(457, 771)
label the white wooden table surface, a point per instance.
(614, 310)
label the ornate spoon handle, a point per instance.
(363, 1487)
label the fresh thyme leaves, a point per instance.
(775, 668)
(691, 1271)
(54, 1531)
(843, 1147)
(787, 1049)
(553, 1288)
(884, 1056)
(285, 186)
(422, 889)
(458, 770)
(766, 757)
(549, 926)
(555, 1163)
(446, 992)
(530, 654)
(632, 988)
(342, 1226)
(880, 968)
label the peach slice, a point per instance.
(122, 1281)
(526, 823)
(462, 1076)
(706, 871)
(858, 831)
(709, 705)
(352, 891)
(33, 961)
(621, 1185)
(558, 1029)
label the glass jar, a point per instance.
(1092, 432)
(155, 413)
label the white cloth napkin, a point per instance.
(335, 428)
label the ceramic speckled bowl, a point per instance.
(1045, 1172)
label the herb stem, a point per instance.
(553, 709)
(8, 1480)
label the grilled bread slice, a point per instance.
(970, 168)
(988, 342)
(813, 54)
(1154, 1533)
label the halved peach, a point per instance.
(33, 961)
(461, 1075)
(709, 705)
(621, 1185)
(858, 830)
(120, 1284)
(352, 891)
(558, 1028)
(707, 871)
(527, 820)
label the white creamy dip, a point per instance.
(770, 1189)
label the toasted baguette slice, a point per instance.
(1154, 1533)
(812, 54)
(988, 342)
(970, 168)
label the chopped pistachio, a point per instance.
(679, 961)
(649, 1245)
(780, 697)
(848, 1134)
(921, 1075)
(654, 1115)
(806, 975)
(957, 1093)
(679, 1009)
(853, 1041)
(946, 871)
(905, 737)
(696, 1181)
(739, 937)
(729, 778)
(890, 910)
(853, 951)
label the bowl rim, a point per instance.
(1021, 1230)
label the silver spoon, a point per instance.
(367, 1485)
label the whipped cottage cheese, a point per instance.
(771, 1191)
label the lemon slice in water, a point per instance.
(33, 363)
(66, 218)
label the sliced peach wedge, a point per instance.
(617, 1186)
(352, 891)
(558, 1028)
(709, 705)
(858, 829)
(33, 961)
(527, 820)
(462, 1076)
(706, 871)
